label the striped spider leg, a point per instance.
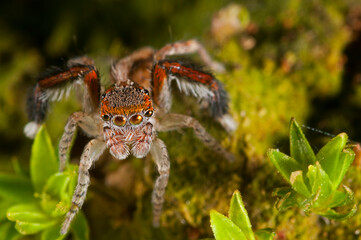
(126, 117)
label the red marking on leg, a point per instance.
(159, 76)
(91, 79)
(68, 75)
(179, 69)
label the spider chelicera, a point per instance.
(127, 116)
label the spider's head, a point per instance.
(127, 114)
(126, 105)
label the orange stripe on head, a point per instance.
(125, 100)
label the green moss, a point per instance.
(289, 61)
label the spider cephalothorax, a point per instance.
(127, 113)
(126, 117)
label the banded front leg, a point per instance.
(175, 121)
(88, 123)
(160, 155)
(91, 153)
(188, 47)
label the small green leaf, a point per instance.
(320, 183)
(286, 200)
(4, 205)
(57, 185)
(346, 158)
(55, 196)
(298, 183)
(8, 231)
(299, 146)
(26, 212)
(332, 214)
(80, 228)
(43, 162)
(224, 229)
(338, 198)
(16, 188)
(29, 218)
(265, 234)
(18, 169)
(238, 214)
(331, 161)
(52, 233)
(284, 164)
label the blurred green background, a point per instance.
(283, 59)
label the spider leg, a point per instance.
(187, 47)
(175, 121)
(56, 84)
(160, 156)
(121, 69)
(91, 153)
(202, 85)
(88, 123)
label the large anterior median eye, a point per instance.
(136, 119)
(120, 121)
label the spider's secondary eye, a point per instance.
(105, 117)
(148, 113)
(136, 119)
(120, 121)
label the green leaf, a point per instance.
(238, 214)
(331, 161)
(4, 205)
(265, 234)
(338, 198)
(346, 158)
(298, 183)
(55, 197)
(80, 228)
(320, 183)
(16, 188)
(299, 146)
(43, 162)
(332, 214)
(284, 164)
(18, 169)
(286, 199)
(8, 231)
(52, 233)
(57, 185)
(29, 218)
(224, 229)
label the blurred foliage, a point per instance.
(36, 204)
(283, 59)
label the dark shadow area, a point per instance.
(341, 113)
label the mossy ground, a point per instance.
(293, 59)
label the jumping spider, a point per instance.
(128, 115)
